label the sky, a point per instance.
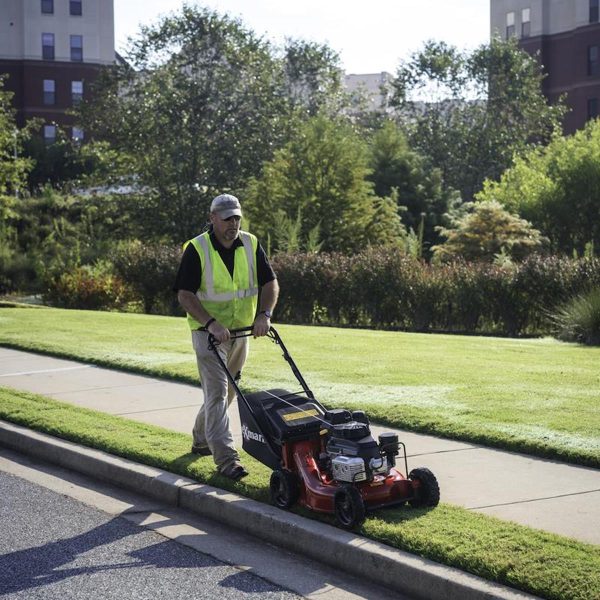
(369, 37)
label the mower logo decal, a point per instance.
(300, 415)
(248, 435)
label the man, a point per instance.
(217, 284)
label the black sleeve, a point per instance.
(264, 271)
(190, 271)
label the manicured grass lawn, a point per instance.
(541, 563)
(535, 395)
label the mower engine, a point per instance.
(351, 454)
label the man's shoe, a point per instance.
(201, 450)
(234, 472)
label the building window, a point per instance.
(593, 62)
(76, 92)
(75, 8)
(593, 11)
(48, 7)
(77, 134)
(49, 134)
(510, 24)
(526, 22)
(48, 46)
(592, 108)
(77, 48)
(49, 92)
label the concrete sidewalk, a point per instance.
(545, 494)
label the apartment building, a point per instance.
(50, 52)
(566, 36)
(371, 86)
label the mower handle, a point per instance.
(235, 334)
(246, 332)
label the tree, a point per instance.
(13, 179)
(313, 77)
(67, 163)
(421, 195)
(487, 232)
(199, 111)
(13, 166)
(557, 188)
(471, 113)
(202, 105)
(321, 176)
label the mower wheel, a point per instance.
(284, 488)
(349, 507)
(427, 493)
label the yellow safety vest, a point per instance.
(230, 300)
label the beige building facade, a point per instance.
(50, 52)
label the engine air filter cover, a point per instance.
(348, 468)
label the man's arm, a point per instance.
(268, 299)
(190, 303)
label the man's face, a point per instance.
(226, 230)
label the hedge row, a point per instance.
(383, 288)
(378, 288)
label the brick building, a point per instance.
(50, 51)
(566, 34)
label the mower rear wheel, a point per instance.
(284, 488)
(349, 507)
(427, 493)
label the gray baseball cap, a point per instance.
(226, 206)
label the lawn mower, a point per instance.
(325, 460)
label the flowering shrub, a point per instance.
(87, 288)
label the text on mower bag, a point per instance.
(248, 434)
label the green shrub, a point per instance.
(86, 287)
(382, 287)
(579, 319)
(17, 271)
(150, 270)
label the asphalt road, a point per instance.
(55, 547)
(67, 536)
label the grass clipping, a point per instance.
(530, 560)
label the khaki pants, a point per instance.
(212, 423)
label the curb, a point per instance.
(403, 572)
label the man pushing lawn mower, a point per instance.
(325, 460)
(218, 282)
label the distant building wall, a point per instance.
(370, 84)
(51, 57)
(565, 34)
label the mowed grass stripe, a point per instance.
(534, 561)
(537, 396)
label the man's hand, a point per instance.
(261, 326)
(220, 333)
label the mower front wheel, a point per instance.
(427, 490)
(284, 488)
(349, 507)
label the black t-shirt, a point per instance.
(190, 271)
